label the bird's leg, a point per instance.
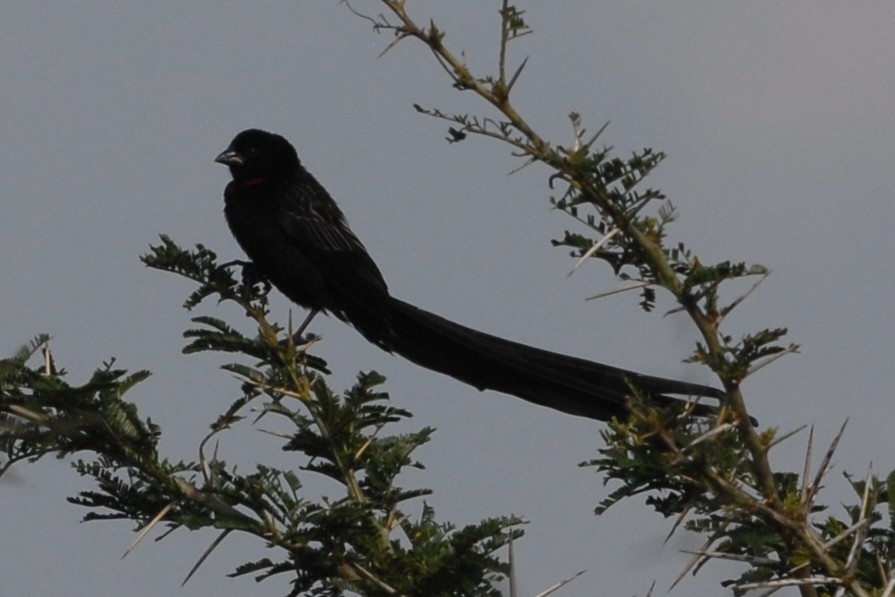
(297, 337)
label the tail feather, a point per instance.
(568, 384)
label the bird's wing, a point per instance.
(314, 224)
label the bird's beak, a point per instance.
(229, 158)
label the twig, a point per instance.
(711, 433)
(806, 470)
(838, 538)
(512, 562)
(790, 582)
(149, 526)
(515, 76)
(742, 297)
(736, 557)
(633, 286)
(560, 584)
(369, 442)
(48, 359)
(789, 349)
(524, 165)
(825, 464)
(691, 563)
(785, 436)
(204, 556)
(677, 523)
(596, 247)
(377, 581)
(889, 589)
(862, 526)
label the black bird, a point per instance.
(297, 237)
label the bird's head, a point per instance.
(258, 155)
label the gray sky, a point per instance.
(778, 123)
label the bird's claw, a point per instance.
(251, 276)
(300, 340)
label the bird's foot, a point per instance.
(301, 340)
(251, 276)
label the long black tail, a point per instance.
(568, 384)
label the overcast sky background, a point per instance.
(778, 122)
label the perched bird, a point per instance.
(299, 240)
